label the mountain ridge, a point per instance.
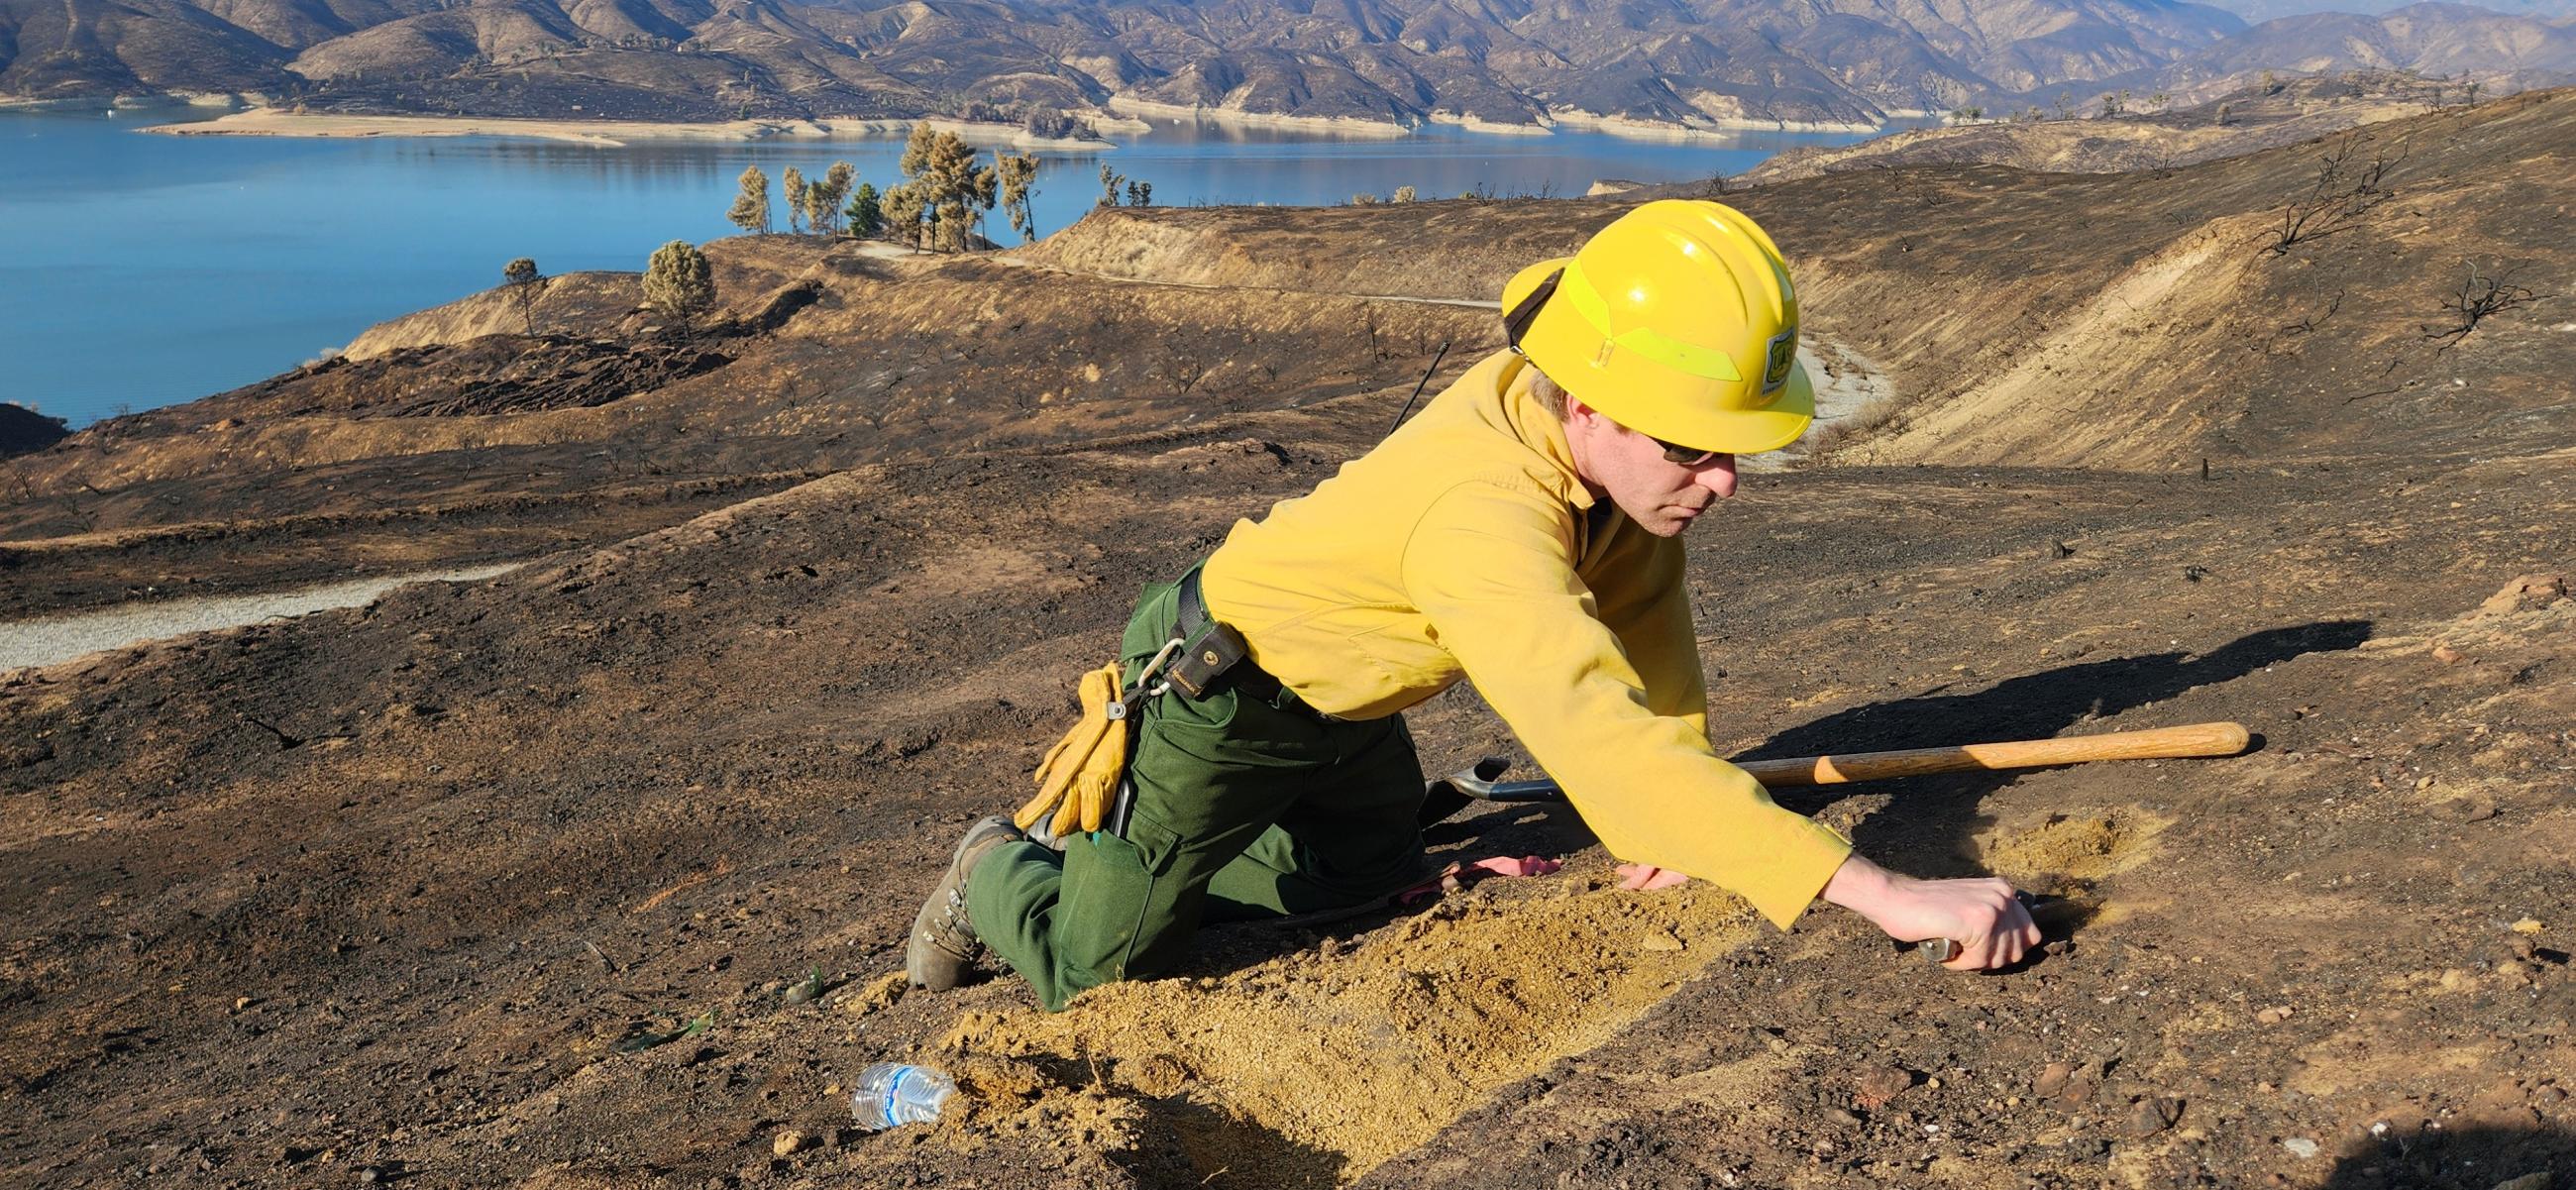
(1692, 64)
(1687, 67)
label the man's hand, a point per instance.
(1458, 876)
(1645, 877)
(1982, 915)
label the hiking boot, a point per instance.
(944, 949)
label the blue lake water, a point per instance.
(143, 270)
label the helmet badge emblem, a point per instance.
(1783, 352)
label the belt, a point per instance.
(1247, 676)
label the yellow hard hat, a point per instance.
(1676, 320)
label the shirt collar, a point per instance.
(1539, 428)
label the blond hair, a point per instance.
(1549, 393)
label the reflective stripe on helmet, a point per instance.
(1689, 358)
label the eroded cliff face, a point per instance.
(429, 889)
(591, 305)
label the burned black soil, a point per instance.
(509, 882)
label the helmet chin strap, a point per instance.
(1517, 322)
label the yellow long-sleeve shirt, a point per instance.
(1466, 545)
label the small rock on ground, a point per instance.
(1876, 1086)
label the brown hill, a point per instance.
(426, 892)
(2286, 112)
(1701, 65)
(2226, 333)
(2501, 51)
(2264, 10)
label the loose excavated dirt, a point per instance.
(1312, 1069)
(596, 873)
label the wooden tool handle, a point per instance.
(2198, 739)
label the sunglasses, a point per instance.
(1517, 322)
(1688, 456)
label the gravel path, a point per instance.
(48, 640)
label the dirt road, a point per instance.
(51, 640)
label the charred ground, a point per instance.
(429, 890)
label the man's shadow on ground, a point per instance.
(2478, 1157)
(1930, 826)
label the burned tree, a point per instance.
(2343, 192)
(2481, 294)
(525, 284)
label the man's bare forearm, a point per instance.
(1981, 914)
(1860, 886)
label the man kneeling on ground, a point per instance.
(1523, 532)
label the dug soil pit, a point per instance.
(1311, 1069)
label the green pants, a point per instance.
(1245, 807)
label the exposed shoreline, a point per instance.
(1489, 127)
(1634, 129)
(1125, 114)
(1337, 125)
(1619, 126)
(604, 133)
(123, 103)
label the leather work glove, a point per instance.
(1080, 774)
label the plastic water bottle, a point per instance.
(891, 1094)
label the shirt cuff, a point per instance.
(1808, 854)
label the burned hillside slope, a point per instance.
(2139, 321)
(2243, 121)
(432, 888)
(388, 454)
(2395, 282)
